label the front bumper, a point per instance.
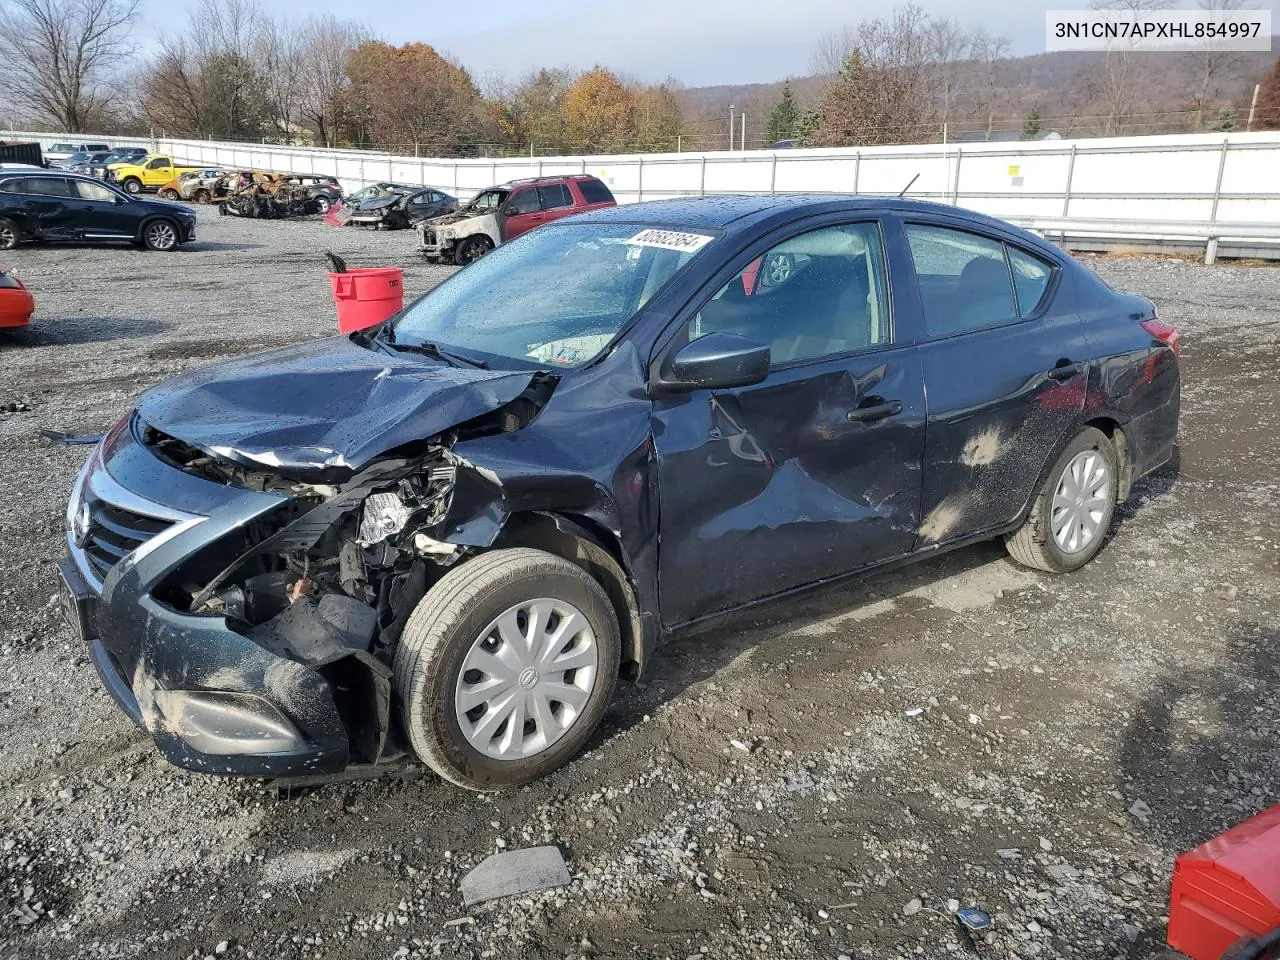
(213, 700)
(431, 244)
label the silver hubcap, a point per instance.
(526, 679)
(162, 236)
(1080, 502)
(779, 270)
(7, 235)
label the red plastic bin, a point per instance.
(367, 296)
(1227, 889)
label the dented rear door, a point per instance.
(1004, 370)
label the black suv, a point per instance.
(49, 205)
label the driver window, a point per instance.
(522, 201)
(820, 294)
(159, 164)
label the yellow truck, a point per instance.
(150, 173)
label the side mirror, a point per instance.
(716, 361)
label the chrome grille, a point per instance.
(114, 533)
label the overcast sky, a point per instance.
(699, 42)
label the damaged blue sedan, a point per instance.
(448, 536)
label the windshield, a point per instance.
(489, 200)
(556, 296)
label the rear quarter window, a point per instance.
(1031, 277)
(594, 191)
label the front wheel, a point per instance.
(168, 194)
(132, 185)
(160, 235)
(506, 667)
(471, 249)
(1072, 511)
(322, 204)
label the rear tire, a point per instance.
(445, 693)
(202, 196)
(1072, 511)
(9, 234)
(471, 249)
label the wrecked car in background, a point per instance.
(450, 534)
(270, 197)
(502, 213)
(185, 186)
(325, 191)
(398, 211)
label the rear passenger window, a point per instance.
(554, 196)
(594, 191)
(820, 294)
(1030, 278)
(963, 277)
(47, 187)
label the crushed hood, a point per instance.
(320, 411)
(380, 203)
(464, 213)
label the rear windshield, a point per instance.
(594, 191)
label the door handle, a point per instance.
(875, 410)
(1065, 371)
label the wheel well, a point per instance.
(1120, 443)
(153, 218)
(582, 542)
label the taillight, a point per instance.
(1166, 333)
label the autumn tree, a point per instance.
(599, 113)
(58, 56)
(1267, 111)
(784, 118)
(412, 97)
(659, 118)
(537, 108)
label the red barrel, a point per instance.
(367, 296)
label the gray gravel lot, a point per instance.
(769, 791)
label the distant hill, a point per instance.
(1067, 88)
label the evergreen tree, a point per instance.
(1226, 120)
(784, 119)
(1031, 129)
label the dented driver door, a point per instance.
(814, 472)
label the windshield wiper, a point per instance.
(436, 353)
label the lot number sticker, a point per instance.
(670, 240)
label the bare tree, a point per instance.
(832, 51)
(1125, 72)
(56, 55)
(1212, 64)
(278, 55)
(325, 47)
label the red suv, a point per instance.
(500, 213)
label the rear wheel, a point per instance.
(202, 196)
(506, 667)
(471, 249)
(160, 235)
(8, 234)
(1072, 512)
(132, 185)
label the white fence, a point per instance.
(1201, 178)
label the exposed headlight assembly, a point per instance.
(384, 514)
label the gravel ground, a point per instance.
(828, 779)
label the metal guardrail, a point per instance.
(1209, 232)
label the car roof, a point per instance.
(557, 178)
(739, 212)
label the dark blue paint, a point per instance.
(709, 499)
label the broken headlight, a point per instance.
(384, 514)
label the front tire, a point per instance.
(160, 235)
(132, 185)
(322, 204)
(506, 667)
(169, 195)
(471, 249)
(1072, 511)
